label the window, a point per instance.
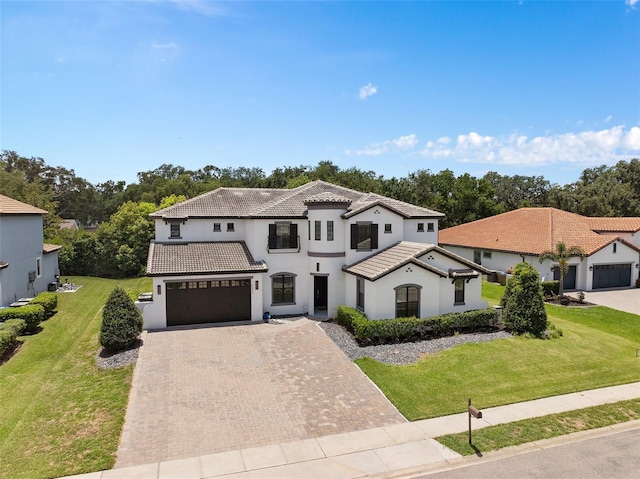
(615, 248)
(39, 267)
(459, 291)
(420, 227)
(364, 236)
(283, 288)
(175, 230)
(430, 227)
(283, 236)
(230, 227)
(360, 294)
(318, 228)
(387, 227)
(477, 256)
(216, 227)
(486, 254)
(407, 301)
(329, 230)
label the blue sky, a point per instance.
(112, 88)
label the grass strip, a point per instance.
(492, 438)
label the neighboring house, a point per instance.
(239, 253)
(500, 242)
(27, 265)
(69, 224)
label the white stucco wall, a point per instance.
(411, 233)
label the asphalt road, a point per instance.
(615, 456)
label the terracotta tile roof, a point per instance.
(9, 206)
(528, 231)
(278, 203)
(201, 258)
(50, 248)
(618, 225)
(392, 258)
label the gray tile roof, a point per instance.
(402, 253)
(201, 258)
(326, 197)
(278, 203)
(390, 259)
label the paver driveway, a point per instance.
(206, 390)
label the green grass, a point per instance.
(497, 437)
(60, 414)
(598, 349)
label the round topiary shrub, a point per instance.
(523, 302)
(121, 322)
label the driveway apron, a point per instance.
(207, 390)
(622, 299)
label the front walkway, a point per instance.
(407, 448)
(206, 390)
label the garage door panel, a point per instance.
(195, 302)
(611, 276)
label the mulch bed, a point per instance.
(10, 351)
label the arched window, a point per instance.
(408, 301)
(283, 288)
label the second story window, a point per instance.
(420, 227)
(175, 230)
(430, 227)
(230, 227)
(364, 236)
(329, 230)
(318, 230)
(387, 227)
(216, 227)
(283, 236)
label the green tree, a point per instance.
(562, 255)
(123, 241)
(121, 322)
(523, 302)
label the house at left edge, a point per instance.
(27, 265)
(241, 253)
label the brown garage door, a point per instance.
(195, 302)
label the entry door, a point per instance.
(320, 286)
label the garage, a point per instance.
(213, 301)
(611, 276)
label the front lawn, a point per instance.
(598, 349)
(60, 414)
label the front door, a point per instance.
(320, 292)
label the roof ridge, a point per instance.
(293, 192)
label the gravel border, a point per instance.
(405, 353)
(118, 360)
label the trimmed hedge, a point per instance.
(550, 288)
(403, 330)
(48, 300)
(121, 322)
(32, 314)
(9, 332)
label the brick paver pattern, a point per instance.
(207, 390)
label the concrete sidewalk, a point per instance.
(382, 452)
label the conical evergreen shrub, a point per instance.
(523, 302)
(121, 322)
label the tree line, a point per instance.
(119, 246)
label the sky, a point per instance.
(113, 88)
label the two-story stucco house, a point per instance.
(27, 265)
(611, 245)
(239, 253)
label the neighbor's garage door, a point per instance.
(193, 302)
(611, 275)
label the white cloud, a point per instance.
(204, 7)
(584, 147)
(608, 119)
(367, 91)
(165, 51)
(406, 142)
(631, 3)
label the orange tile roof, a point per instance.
(618, 225)
(531, 231)
(9, 206)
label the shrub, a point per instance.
(9, 332)
(523, 302)
(402, 330)
(550, 288)
(31, 314)
(121, 322)
(49, 301)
